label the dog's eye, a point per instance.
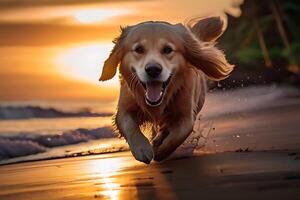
(167, 50)
(139, 50)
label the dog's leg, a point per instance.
(170, 138)
(139, 145)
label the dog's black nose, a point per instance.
(153, 69)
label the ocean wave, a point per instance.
(16, 148)
(26, 112)
(28, 144)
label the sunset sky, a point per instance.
(53, 50)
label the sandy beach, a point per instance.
(243, 175)
(254, 154)
(77, 75)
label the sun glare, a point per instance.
(92, 16)
(85, 63)
(106, 168)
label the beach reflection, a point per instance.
(106, 168)
(111, 189)
(122, 177)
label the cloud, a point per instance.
(51, 34)
(45, 22)
(13, 4)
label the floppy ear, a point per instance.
(205, 56)
(208, 29)
(110, 65)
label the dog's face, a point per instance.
(152, 54)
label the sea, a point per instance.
(38, 130)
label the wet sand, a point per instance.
(249, 155)
(231, 175)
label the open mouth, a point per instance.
(154, 91)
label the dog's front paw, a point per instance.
(141, 148)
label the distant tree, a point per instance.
(266, 31)
(259, 32)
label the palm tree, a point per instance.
(278, 15)
(260, 35)
(264, 31)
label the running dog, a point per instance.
(162, 75)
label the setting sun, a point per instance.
(85, 62)
(92, 16)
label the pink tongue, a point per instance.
(154, 91)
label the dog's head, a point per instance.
(152, 54)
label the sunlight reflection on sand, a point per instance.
(109, 187)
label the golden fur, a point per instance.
(191, 53)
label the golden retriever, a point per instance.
(162, 69)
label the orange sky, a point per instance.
(55, 49)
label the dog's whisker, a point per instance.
(131, 82)
(136, 83)
(132, 77)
